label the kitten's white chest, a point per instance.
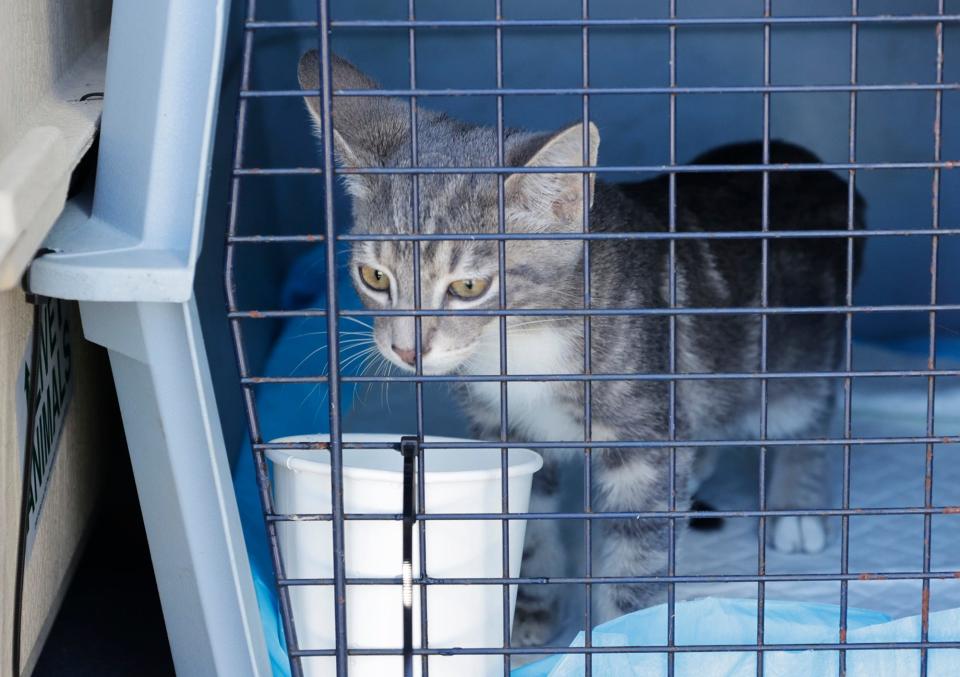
(534, 407)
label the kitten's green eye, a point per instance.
(377, 280)
(470, 288)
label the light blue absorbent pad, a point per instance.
(734, 621)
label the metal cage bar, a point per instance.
(764, 342)
(672, 341)
(576, 23)
(608, 91)
(502, 345)
(932, 350)
(417, 323)
(765, 442)
(848, 341)
(333, 344)
(587, 340)
(605, 169)
(649, 444)
(236, 328)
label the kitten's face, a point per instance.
(454, 274)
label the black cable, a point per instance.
(32, 396)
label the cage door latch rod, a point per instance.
(410, 449)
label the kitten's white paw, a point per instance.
(799, 534)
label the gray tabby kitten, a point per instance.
(721, 273)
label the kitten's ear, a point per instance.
(366, 130)
(555, 201)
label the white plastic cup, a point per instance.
(455, 481)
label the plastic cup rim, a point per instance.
(316, 461)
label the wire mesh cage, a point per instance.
(656, 378)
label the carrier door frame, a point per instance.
(130, 259)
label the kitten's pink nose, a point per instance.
(408, 355)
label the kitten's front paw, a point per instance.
(806, 534)
(535, 621)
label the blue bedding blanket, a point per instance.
(734, 621)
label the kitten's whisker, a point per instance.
(353, 358)
(302, 321)
(364, 366)
(357, 341)
(307, 396)
(377, 366)
(349, 343)
(378, 370)
(542, 321)
(382, 368)
(322, 332)
(377, 363)
(348, 334)
(353, 319)
(311, 391)
(309, 355)
(320, 405)
(949, 330)
(370, 356)
(356, 356)
(388, 371)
